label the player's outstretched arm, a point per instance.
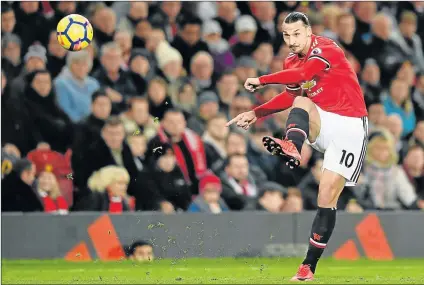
(295, 75)
(277, 104)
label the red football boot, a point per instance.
(283, 147)
(304, 273)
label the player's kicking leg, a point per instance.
(303, 122)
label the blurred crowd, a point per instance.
(136, 121)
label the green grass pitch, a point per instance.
(210, 271)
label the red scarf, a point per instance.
(54, 206)
(116, 204)
(196, 148)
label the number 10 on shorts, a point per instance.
(347, 159)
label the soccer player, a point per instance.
(327, 110)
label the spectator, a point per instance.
(142, 30)
(219, 47)
(387, 53)
(257, 153)
(107, 191)
(166, 18)
(246, 29)
(17, 126)
(330, 14)
(406, 73)
(209, 200)
(399, 102)
(74, 87)
(208, 107)
(390, 188)
(202, 72)
(9, 155)
(370, 81)
(246, 67)
(11, 55)
(50, 121)
(309, 187)
(227, 14)
(89, 129)
(227, 88)
(49, 192)
(417, 137)
(159, 101)
(394, 125)
(188, 41)
(56, 57)
(154, 38)
(376, 116)
(62, 9)
(215, 138)
(409, 41)
(293, 202)
(348, 39)
(364, 14)
(118, 83)
(418, 97)
(170, 63)
(263, 56)
(138, 146)
(238, 189)
(264, 13)
(125, 41)
(31, 25)
(188, 147)
(413, 166)
(8, 20)
(138, 120)
(168, 181)
(141, 68)
(141, 251)
(186, 98)
(35, 59)
(109, 150)
(241, 103)
(103, 20)
(271, 198)
(17, 194)
(135, 12)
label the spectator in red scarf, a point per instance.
(108, 191)
(49, 191)
(187, 145)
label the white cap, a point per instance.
(246, 23)
(166, 53)
(211, 27)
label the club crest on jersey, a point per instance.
(316, 51)
(308, 85)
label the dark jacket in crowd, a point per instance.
(124, 85)
(55, 64)
(95, 201)
(17, 126)
(17, 196)
(87, 131)
(48, 119)
(241, 49)
(172, 187)
(187, 51)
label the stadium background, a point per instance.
(63, 112)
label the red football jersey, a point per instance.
(335, 89)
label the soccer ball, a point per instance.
(74, 32)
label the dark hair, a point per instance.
(113, 121)
(189, 19)
(293, 17)
(98, 93)
(22, 165)
(131, 249)
(234, 155)
(173, 110)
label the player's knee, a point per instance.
(303, 102)
(327, 196)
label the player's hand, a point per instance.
(244, 120)
(253, 84)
